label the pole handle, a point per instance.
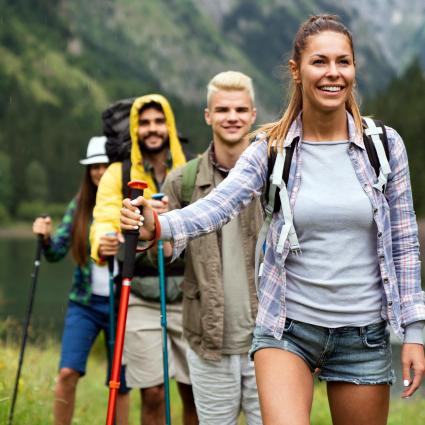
(110, 259)
(137, 188)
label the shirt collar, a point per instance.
(296, 130)
(213, 158)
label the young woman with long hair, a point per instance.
(341, 260)
(88, 307)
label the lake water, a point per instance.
(54, 282)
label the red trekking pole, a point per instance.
(130, 246)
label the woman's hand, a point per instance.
(412, 357)
(42, 226)
(109, 244)
(131, 218)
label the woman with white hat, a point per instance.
(88, 307)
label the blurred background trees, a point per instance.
(63, 62)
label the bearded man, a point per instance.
(155, 150)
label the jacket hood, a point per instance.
(176, 151)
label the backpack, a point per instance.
(116, 128)
(276, 196)
(189, 174)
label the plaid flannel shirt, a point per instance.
(397, 232)
(58, 247)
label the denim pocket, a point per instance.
(376, 336)
(289, 324)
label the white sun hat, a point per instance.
(96, 153)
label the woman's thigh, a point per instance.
(285, 387)
(353, 404)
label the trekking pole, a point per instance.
(28, 313)
(163, 290)
(163, 301)
(130, 245)
(111, 342)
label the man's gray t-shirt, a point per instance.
(238, 320)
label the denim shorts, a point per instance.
(358, 355)
(82, 325)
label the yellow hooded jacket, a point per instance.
(106, 214)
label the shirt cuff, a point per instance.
(413, 333)
(166, 233)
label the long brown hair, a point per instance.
(277, 131)
(86, 199)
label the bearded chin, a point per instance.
(149, 150)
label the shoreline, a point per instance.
(19, 230)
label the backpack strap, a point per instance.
(376, 144)
(189, 174)
(289, 153)
(279, 165)
(125, 171)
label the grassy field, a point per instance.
(35, 397)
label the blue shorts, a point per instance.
(82, 325)
(358, 355)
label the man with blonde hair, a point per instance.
(219, 296)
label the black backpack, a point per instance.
(116, 128)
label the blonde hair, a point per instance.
(230, 80)
(277, 131)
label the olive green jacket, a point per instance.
(203, 294)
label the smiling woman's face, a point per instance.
(326, 72)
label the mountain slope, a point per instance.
(63, 61)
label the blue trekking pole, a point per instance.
(111, 307)
(163, 301)
(111, 341)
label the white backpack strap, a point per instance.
(259, 248)
(288, 230)
(277, 167)
(384, 166)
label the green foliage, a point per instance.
(6, 184)
(36, 182)
(401, 105)
(34, 405)
(62, 63)
(35, 397)
(29, 210)
(266, 30)
(4, 215)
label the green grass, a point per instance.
(35, 397)
(34, 404)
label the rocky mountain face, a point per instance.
(397, 27)
(180, 44)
